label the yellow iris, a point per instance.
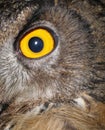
(46, 38)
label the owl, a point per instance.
(52, 65)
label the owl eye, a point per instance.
(37, 43)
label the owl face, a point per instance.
(45, 51)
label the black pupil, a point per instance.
(36, 44)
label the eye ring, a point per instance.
(38, 36)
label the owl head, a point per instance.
(47, 50)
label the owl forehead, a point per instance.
(14, 7)
(11, 9)
(16, 14)
(22, 13)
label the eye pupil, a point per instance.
(36, 44)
